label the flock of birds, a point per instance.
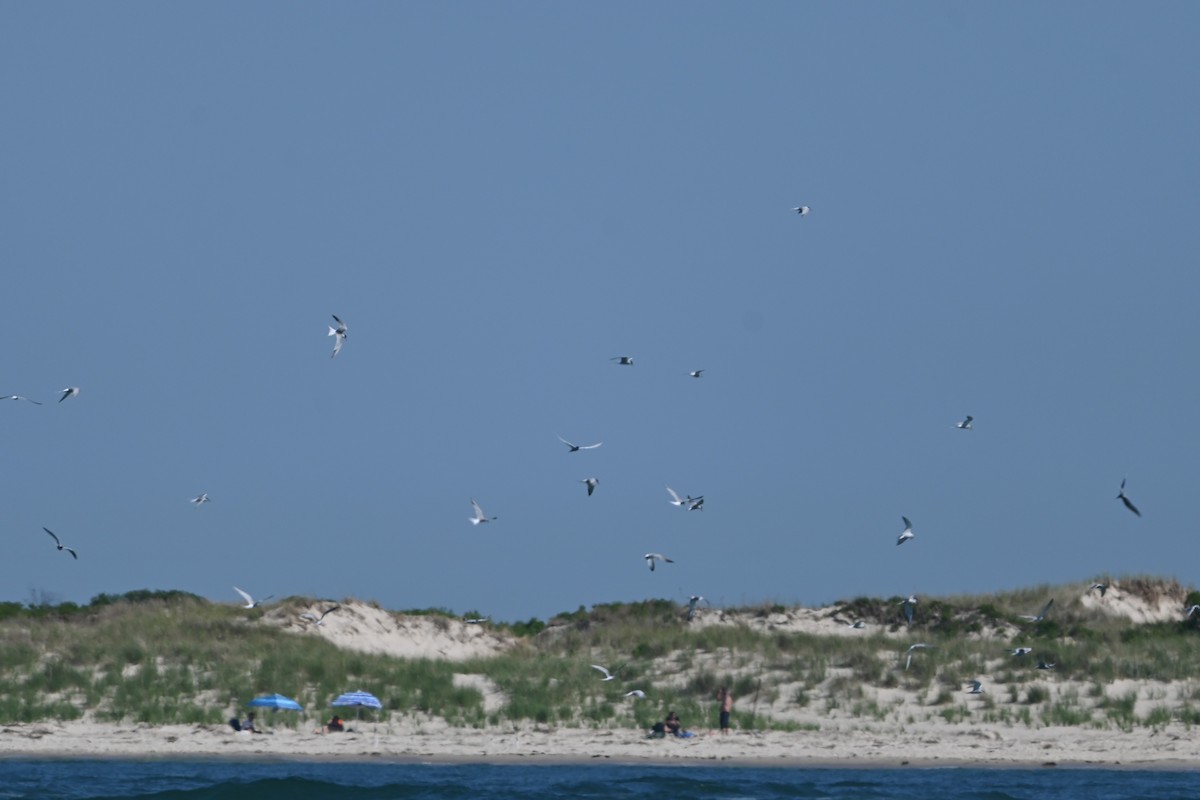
(908, 605)
(975, 686)
(687, 502)
(339, 332)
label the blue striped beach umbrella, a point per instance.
(359, 700)
(275, 701)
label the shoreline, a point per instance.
(564, 761)
(1172, 748)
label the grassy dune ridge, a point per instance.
(171, 657)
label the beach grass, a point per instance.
(170, 657)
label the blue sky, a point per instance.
(498, 198)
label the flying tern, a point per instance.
(1192, 610)
(1121, 496)
(339, 334)
(906, 534)
(70, 391)
(638, 693)
(1103, 587)
(652, 557)
(319, 619)
(479, 517)
(591, 484)
(966, 423)
(19, 397)
(696, 373)
(607, 675)
(626, 360)
(802, 210)
(858, 623)
(1041, 615)
(689, 502)
(976, 687)
(250, 601)
(201, 500)
(1022, 651)
(693, 602)
(1043, 665)
(575, 448)
(909, 652)
(60, 545)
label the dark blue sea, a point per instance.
(294, 780)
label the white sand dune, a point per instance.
(369, 629)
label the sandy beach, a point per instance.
(858, 746)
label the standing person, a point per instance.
(726, 706)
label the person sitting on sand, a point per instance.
(673, 726)
(335, 725)
(248, 725)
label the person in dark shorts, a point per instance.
(726, 700)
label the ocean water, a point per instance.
(296, 780)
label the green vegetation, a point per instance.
(172, 657)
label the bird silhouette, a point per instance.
(1121, 496)
(60, 545)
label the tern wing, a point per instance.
(1130, 505)
(245, 595)
(52, 536)
(74, 555)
